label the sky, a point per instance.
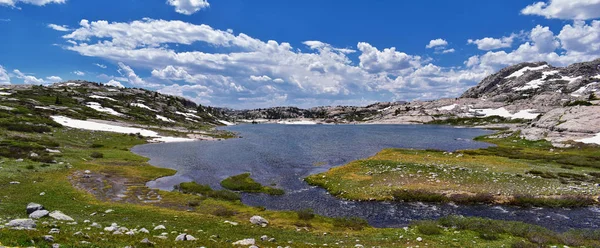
(253, 54)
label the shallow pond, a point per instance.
(283, 155)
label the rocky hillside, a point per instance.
(539, 80)
(93, 106)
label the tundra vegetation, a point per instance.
(93, 178)
(515, 171)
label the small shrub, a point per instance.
(96, 145)
(194, 203)
(427, 227)
(223, 212)
(44, 165)
(523, 244)
(30, 167)
(224, 195)
(480, 198)
(305, 214)
(193, 188)
(353, 223)
(97, 155)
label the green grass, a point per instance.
(515, 167)
(244, 183)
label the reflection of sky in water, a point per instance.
(284, 154)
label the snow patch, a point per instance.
(592, 140)
(580, 91)
(5, 93)
(571, 79)
(227, 123)
(96, 106)
(304, 122)
(449, 107)
(502, 112)
(162, 118)
(96, 126)
(525, 69)
(533, 84)
(102, 97)
(190, 115)
(141, 105)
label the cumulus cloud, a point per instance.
(79, 73)
(28, 79)
(575, 43)
(489, 43)
(131, 76)
(388, 60)
(188, 7)
(13, 3)
(115, 83)
(318, 73)
(62, 28)
(437, 43)
(565, 9)
(53, 79)
(4, 78)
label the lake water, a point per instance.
(283, 155)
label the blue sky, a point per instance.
(245, 54)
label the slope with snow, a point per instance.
(96, 126)
(96, 106)
(523, 70)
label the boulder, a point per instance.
(58, 215)
(48, 238)
(22, 224)
(39, 214)
(32, 207)
(185, 237)
(160, 227)
(245, 242)
(258, 220)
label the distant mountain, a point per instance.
(528, 80)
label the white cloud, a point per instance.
(62, 28)
(565, 9)
(262, 78)
(131, 76)
(96, 64)
(53, 79)
(317, 74)
(451, 50)
(581, 38)
(28, 79)
(575, 43)
(188, 7)
(489, 43)
(437, 43)
(115, 83)
(388, 60)
(12, 3)
(79, 73)
(4, 78)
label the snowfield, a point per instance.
(96, 106)
(525, 69)
(448, 108)
(162, 118)
(102, 97)
(304, 122)
(96, 126)
(592, 140)
(502, 112)
(227, 123)
(141, 105)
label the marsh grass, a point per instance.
(244, 183)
